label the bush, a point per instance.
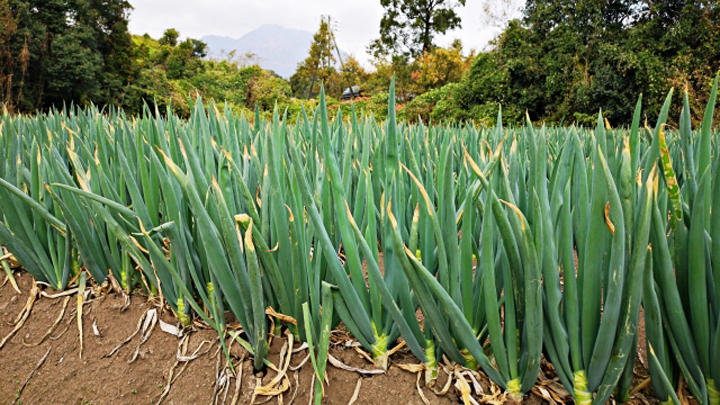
(268, 89)
(420, 108)
(378, 106)
(295, 105)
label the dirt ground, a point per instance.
(65, 378)
(100, 378)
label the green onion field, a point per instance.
(516, 244)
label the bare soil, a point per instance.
(100, 378)
(65, 378)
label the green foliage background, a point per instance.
(565, 60)
(562, 62)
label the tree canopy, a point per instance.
(319, 66)
(566, 59)
(408, 27)
(55, 51)
(62, 52)
(561, 62)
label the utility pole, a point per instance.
(342, 65)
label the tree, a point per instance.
(56, 51)
(319, 65)
(441, 66)
(409, 26)
(170, 37)
(267, 89)
(110, 25)
(184, 59)
(566, 59)
(402, 68)
(353, 73)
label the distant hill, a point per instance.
(279, 49)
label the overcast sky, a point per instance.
(356, 22)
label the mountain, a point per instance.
(278, 49)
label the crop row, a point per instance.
(513, 242)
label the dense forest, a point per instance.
(567, 58)
(561, 62)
